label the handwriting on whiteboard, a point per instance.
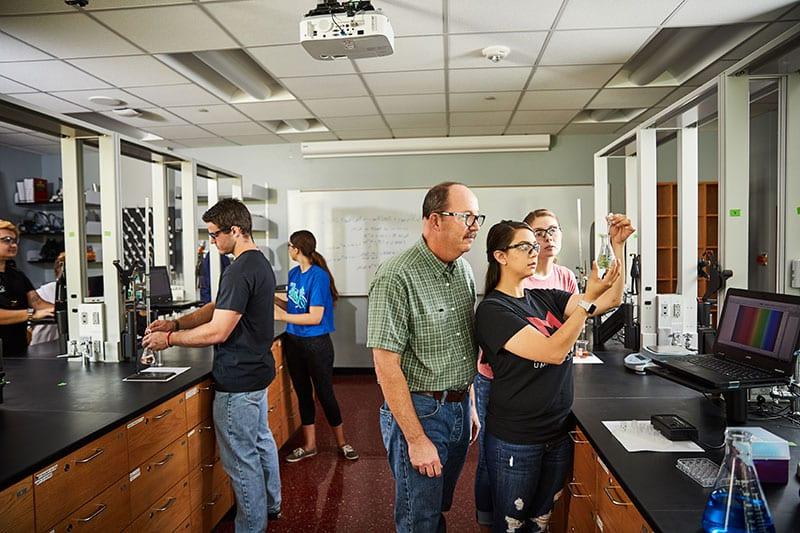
(370, 239)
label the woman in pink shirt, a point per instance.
(548, 275)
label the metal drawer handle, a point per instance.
(166, 506)
(607, 490)
(97, 452)
(204, 388)
(100, 509)
(162, 415)
(205, 428)
(213, 501)
(203, 467)
(167, 457)
(575, 494)
(574, 436)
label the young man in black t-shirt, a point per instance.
(19, 301)
(240, 326)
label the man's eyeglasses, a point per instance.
(529, 248)
(541, 233)
(467, 218)
(9, 240)
(214, 234)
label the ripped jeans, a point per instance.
(525, 479)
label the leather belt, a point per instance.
(454, 396)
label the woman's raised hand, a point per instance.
(598, 286)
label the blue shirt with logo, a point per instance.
(311, 288)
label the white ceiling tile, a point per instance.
(342, 107)
(302, 137)
(494, 101)
(488, 79)
(81, 98)
(417, 120)
(277, 110)
(168, 29)
(355, 123)
(533, 129)
(413, 103)
(175, 95)
(149, 117)
(465, 50)
(236, 128)
(67, 35)
(590, 128)
(581, 47)
(471, 16)
(210, 114)
(34, 6)
(414, 17)
(292, 60)
(410, 53)
(543, 117)
(50, 75)
(348, 135)
(12, 49)
(572, 77)
(566, 99)
(420, 132)
(266, 138)
(51, 103)
(714, 12)
(179, 132)
(325, 87)
(261, 22)
(130, 71)
(386, 83)
(9, 86)
(476, 130)
(584, 14)
(628, 98)
(206, 142)
(484, 118)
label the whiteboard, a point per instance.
(358, 230)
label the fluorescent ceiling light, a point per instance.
(301, 125)
(127, 112)
(427, 145)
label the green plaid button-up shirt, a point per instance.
(423, 309)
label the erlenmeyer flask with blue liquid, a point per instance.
(736, 503)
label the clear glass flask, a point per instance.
(605, 255)
(736, 503)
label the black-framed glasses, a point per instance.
(214, 234)
(529, 248)
(9, 240)
(467, 218)
(542, 233)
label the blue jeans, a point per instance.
(526, 480)
(249, 455)
(483, 491)
(420, 500)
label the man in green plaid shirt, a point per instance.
(421, 331)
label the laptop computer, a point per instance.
(757, 337)
(160, 288)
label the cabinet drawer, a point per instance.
(205, 481)
(156, 429)
(614, 507)
(199, 400)
(68, 484)
(153, 477)
(169, 511)
(277, 353)
(187, 527)
(111, 511)
(208, 515)
(583, 468)
(16, 507)
(202, 444)
(581, 515)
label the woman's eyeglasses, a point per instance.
(9, 240)
(529, 248)
(541, 233)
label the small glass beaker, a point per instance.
(581, 348)
(605, 255)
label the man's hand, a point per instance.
(45, 312)
(162, 325)
(476, 425)
(280, 314)
(155, 340)
(424, 457)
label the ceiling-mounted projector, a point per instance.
(352, 30)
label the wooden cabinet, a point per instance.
(104, 513)
(153, 477)
(156, 428)
(16, 508)
(167, 513)
(199, 400)
(614, 508)
(202, 444)
(65, 485)
(284, 412)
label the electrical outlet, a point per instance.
(663, 310)
(676, 310)
(84, 318)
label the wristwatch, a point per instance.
(30, 315)
(588, 306)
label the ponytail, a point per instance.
(317, 259)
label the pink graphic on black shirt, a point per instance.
(546, 327)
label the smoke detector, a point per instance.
(106, 101)
(495, 54)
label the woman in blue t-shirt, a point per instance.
(308, 348)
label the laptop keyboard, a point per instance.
(730, 370)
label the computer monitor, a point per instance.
(94, 286)
(160, 289)
(760, 328)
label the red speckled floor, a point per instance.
(327, 493)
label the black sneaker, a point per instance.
(274, 515)
(299, 454)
